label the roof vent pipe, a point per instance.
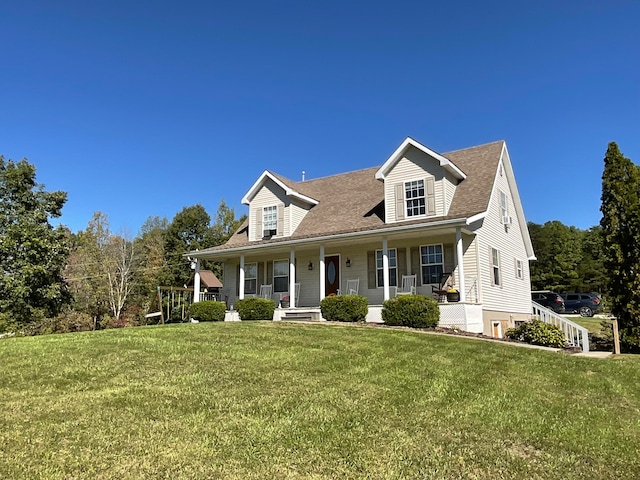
(303, 175)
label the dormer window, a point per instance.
(270, 221)
(415, 198)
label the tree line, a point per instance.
(54, 280)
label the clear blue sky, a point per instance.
(141, 108)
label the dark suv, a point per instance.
(586, 304)
(549, 299)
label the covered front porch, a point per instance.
(369, 265)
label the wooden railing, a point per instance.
(576, 335)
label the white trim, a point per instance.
(287, 190)
(410, 142)
(406, 200)
(476, 217)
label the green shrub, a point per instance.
(207, 311)
(344, 308)
(536, 332)
(411, 311)
(255, 308)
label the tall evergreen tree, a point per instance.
(33, 253)
(621, 242)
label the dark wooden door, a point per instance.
(331, 274)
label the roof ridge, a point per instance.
(475, 146)
(335, 175)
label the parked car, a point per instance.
(549, 299)
(586, 304)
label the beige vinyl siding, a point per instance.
(449, 188)
(512, 295)
(296, 213)
(471, 269)
(269, 195)
(415, 165)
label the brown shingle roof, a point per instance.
(354, 201)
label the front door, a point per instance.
(331, 275)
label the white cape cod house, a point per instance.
(421, 213)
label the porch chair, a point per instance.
(352, 287)
(266, 291)
(408, 286)
(446, 282)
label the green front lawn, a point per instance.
(256, 400)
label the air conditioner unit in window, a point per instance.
(507, 220)
(266, 234)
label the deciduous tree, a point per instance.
(33, 253)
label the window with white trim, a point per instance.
(250, 278)
(504, 211)
(431, 263)
(519, 272)
(270, 221)
(393, 268)
(415, 198)
(495, 267)
(280, 276)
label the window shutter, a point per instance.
(401, 258)
(371, 269)
(260, 279)
(238, 281)
(269, 273)
(280, 227)
(399, 201)
(430, 193)
(258, 222)
(500, 279)
(415, 264)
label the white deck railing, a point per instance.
(576, 335)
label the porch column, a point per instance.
(385, 268)
(241, 279)
(460, 262)
(196, 281)
(322, 273)
(292, 278)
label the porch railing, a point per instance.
(576, 335)
(472, 291)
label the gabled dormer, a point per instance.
(418, 183)
(275, 207)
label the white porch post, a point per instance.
(460, 262)
(196, 282)
(292, 278)
(322, 273)
(241, 279)
(385, 268)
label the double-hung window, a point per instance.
(393, 268)
(270, 221)
(496, 277)
(280, 276)
(250, 278)
(415, 198)
(519, 272)
(431, 263)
